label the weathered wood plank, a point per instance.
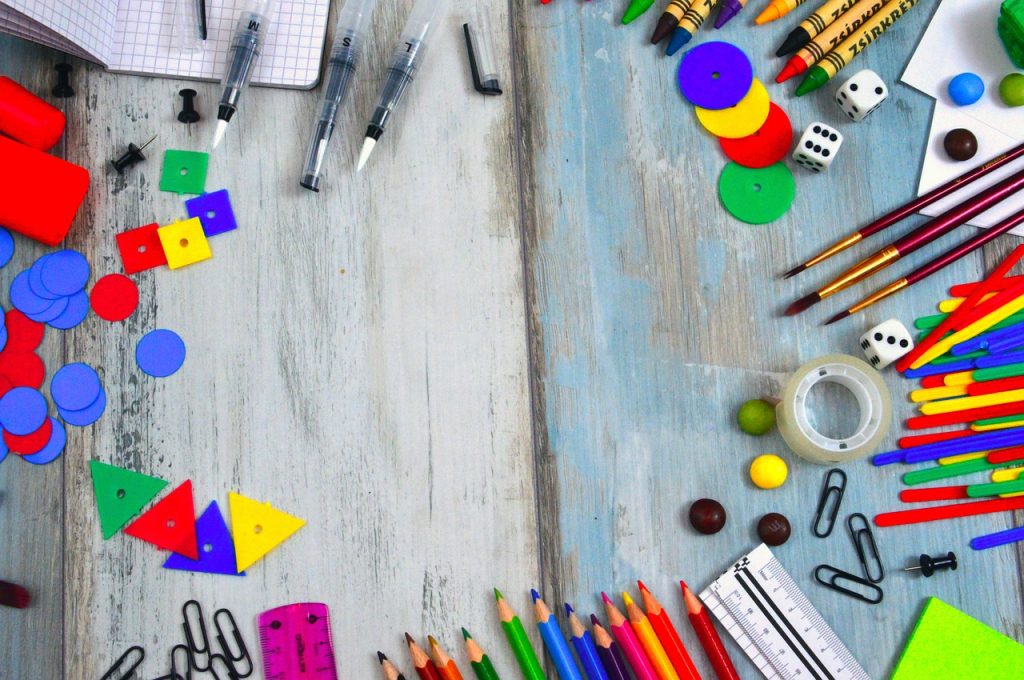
(657, 315)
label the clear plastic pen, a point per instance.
(349, 40)
(245, 49)
(406, 61)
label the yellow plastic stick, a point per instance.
(934, 393)
(961, 457)
(959, 378)
(980, 401)
(997, 426)
(951, 304)
(973, 330)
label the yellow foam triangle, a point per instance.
(258, 528)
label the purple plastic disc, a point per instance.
(715, 75)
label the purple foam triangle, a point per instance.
(212, 531)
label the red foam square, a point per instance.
(141, 249)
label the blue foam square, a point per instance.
(214, 212)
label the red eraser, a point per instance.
(28, 118)
(39, 193)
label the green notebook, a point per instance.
(947, 644)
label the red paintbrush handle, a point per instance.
(941, 192)
(982, 237)
(957, 215)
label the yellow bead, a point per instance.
(184, 243)
(768, 471)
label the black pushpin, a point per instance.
(930, 565)
(188, 113)
(132, 156)
(63, 87)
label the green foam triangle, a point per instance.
(946, 643)
(120, 494)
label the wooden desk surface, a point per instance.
(508, 353)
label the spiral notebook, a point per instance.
(135, 36)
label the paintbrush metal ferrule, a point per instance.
(879, 295)
(834, 249)
(860, 271)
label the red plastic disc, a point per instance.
(23, 334)
(26, 445)
(769, 145)
(5, 385)
(22, 369)
(114, 297)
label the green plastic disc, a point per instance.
(756, 195)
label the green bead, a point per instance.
(756, 417)
(1011, 89)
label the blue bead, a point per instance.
(966, 88)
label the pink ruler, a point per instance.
(296, 642)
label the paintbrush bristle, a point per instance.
(794, 271)
(838, 317)
(803, 304)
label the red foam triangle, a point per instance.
(170, 524)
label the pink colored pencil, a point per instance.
(627, 639)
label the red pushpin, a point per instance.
(13, 595)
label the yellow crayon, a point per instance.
(777, 9)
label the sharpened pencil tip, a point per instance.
(380, 657)
(803, 304)
(568, 609)
(409, 640)
(534, 594)
(498, 595)
(432, 641)
(641, 586)
(794, 271)
(606, 599)
(682, 585)
(626, 599)
(594, 621)
(466, 635)
(841, 315)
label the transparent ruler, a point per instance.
(771, 619)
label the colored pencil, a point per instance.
(947, 258)
(652, 647)
(918, 238)
(478, 659)
(609, 652)
(952, 511)
(518, 641)
(669, 19)
(934, 493)
(998, 538)
(390, 672)
(668, 635)
(728, 11)
(446, 667)
(13, 595)
(853, 45)
(586, 650)
(777, 9)
(421, 662)
(624, 635)
(553, 639)
(911, 207)
(820, 19)
(708, 636)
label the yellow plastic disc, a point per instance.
(741, 120)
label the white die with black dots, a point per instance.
(818, 147)
(861, 94)
(886, 342)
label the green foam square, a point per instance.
(946, 643)
(184, 172)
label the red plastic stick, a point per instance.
(917, 515)
(934, 381)
(932, 437)
(935, 493)
(994, 386)
(965, 289)
(966, 416)
(1008, 455)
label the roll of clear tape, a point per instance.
(867, 387)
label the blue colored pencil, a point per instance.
(586, 650)
(554, 642)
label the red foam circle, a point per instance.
(769, 145)
(26, 445)
(23, 334)
(22, 369)
(114, 297)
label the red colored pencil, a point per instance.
(421, 662)
(966, 416)
(935, 493)
(932, 437)
(668, 635)
(1007, 455)
(965, 289)
(954, 319)
(13, 595)
(708, 636)
(952, 511)
(994, 386)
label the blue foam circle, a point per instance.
(23, 410)
(6, 247)
(35, 281)
(65, 272)
(75, 387)
(23, 298)
(160, 353)
(78, 309)
(53, 448)
(56, 308)
(86, 416)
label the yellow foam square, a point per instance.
(184, 243)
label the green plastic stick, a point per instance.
(995, 488)
(997, 372)
(952, 470)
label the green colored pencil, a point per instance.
(517, 639)
(478, 659)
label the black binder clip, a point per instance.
(831, 496)
(481, 55)
(121, 670)
(234, 660)
(190, 639)
(839, 580)
(867, 550)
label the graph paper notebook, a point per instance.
(135, 36)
